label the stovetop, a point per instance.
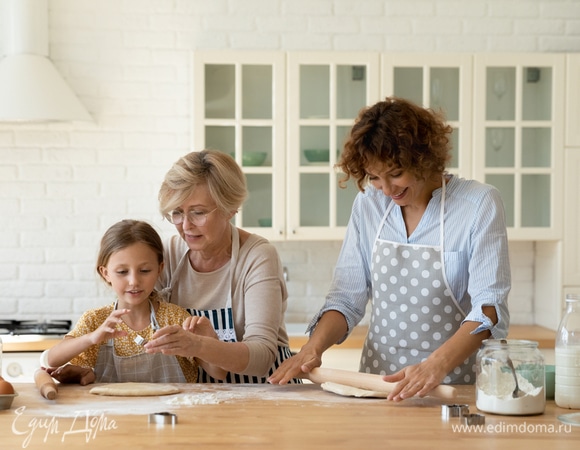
(34, 327)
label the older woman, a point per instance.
(231, 281)
(427, 248)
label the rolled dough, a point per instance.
(350, 391)
(134, 389)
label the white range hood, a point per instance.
(31, 89)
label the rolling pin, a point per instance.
(45, 384)
(370, 382)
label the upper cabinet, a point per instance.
(239, 108)
(285, 117)
(443, 83)
(518, 134)
(325, 94)
(572, 100)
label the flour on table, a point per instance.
(194, 399)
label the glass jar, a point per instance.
(567, 394)
(500, 362)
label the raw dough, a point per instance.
(134, 389)
(350, 391)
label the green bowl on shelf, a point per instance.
(317, 155)
(252, 159)
(265, 222)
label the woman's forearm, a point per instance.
(330, 328)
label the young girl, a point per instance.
(110, 339)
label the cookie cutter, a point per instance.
(163, 418)
(473, 419)
(453, 410)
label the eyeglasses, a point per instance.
(197, 218)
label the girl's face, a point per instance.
(209, 237)
(401, 185)
(132, 272)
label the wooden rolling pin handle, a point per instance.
(370, 382)
(45, 384)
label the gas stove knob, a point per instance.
(14, 369)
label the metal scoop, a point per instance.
(517, 391)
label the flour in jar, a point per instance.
(494, 393)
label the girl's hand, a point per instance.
(109, 328)
(199, 325)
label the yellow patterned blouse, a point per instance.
(167, 314)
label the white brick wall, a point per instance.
(62, 185)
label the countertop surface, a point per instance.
(297, 336)
(544, 336)
(269, 417)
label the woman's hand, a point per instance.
(296, 366)
(199, 325)
(70, 374)
(414, 380)
(173, 340)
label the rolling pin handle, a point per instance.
(45, 384)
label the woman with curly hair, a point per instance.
(427, 249)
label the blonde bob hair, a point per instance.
(215, 169)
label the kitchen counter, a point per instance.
(297, 338)
(266, 416)
(544, 336)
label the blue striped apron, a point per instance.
(222, 320)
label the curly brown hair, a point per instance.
(399, 133)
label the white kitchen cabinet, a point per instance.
(296, 108)
(573, 100)
(518, 138)
(325, 93)
(239, 108)
(441, 82)
(572, 218)
(571, 260)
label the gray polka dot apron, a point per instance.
(414, 310)
(223, 323)
(142, 368)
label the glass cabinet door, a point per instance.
(519, 137)
(239, 109)
(440, 82)
(326, 92)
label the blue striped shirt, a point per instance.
(475, 248)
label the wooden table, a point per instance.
(268, 417)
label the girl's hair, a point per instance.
(399, 133)
(218, 170)
(125, 233)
